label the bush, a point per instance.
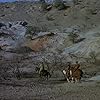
(43, 5)
(43, 28)
(31, 30)
(73, 37)
(75, 2)
(93, 55)
(49, 18)
(59, 4)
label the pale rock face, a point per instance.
(90, 44)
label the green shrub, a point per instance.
(49, 18)
(93, 55)
(43, 5)
(43, 28)
(73, 37)
(59, 4)
(31, 30)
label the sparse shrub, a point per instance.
(79, 40)
(15, 70)
(75, 2)
(56, 24)
(31, 30)
(49, 18)
(59, 4)
(73, 37)
(43, 28)
(23, 50)
(93, 56)
(18, 73)
(3, 72)
(38, 20)
(34, 30)
(43, 5)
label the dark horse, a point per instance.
(43, 73)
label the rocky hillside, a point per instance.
(29, 34)
(35, 35)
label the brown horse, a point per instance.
(76, 75)
(73, 73)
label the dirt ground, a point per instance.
(52, 89)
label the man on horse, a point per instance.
(76, 66)
(75, 72)
(72, 72)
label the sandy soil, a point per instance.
(53, 89)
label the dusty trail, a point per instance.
(34, 89)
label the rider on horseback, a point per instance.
(76, 66)
(72, 70)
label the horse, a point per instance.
(73, 73)
(76, 75)
(43, 73)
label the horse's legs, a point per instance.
(72, 79)
(71, 76)
(70, 72)
(68, 80)
(77, 80)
